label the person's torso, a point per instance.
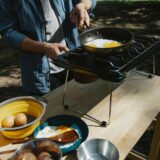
(54, 31)
(32, 20)
(35, 67)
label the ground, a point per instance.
(139, 18)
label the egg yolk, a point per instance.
(112, 44)
(103, 43)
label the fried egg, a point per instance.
(51, 131)
(103, 43)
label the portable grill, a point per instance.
(112, 67)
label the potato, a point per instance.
(20, 119)
(44, 154)
(27, 156)
(8, 122)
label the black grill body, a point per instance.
(114, 66)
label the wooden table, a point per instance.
(135, 105)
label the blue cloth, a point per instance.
(24, 18)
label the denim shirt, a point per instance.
(24, 18)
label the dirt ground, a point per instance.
(143, 19)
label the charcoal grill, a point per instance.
(112, 67)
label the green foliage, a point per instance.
(126, 3)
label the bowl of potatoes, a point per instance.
(20, 116)
(38, 149)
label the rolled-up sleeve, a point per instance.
(8, 25)
(13, 38)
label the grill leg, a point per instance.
(101, 123)
(153, 69)
(65, 88)
(147, 75)
(110, 102)
(154, 65)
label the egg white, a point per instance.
(100, 43)
(51, 131)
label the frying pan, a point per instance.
(117, 34)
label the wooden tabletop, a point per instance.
(135, 104)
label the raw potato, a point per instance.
(20, 119)
(8, 122)
(44, 156)
(27, 156)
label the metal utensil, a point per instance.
(66, 137)
(97, 149)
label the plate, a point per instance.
(70, 121)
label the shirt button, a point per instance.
(45, 22)
(48, 33)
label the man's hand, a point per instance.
(54, 49)
(79, 15)
(50, 49)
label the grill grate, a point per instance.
(113, 67)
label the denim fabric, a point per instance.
(24, 18)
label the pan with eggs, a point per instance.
(103, 41)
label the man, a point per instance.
(41, 30)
